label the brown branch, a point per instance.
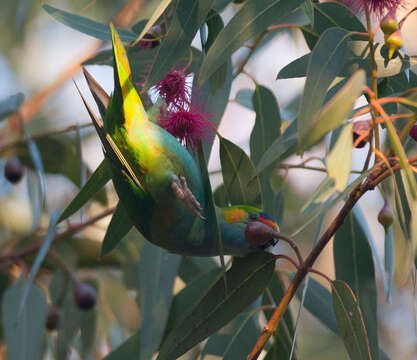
(70, 231)
(354, 196)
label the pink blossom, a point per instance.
(189, 126)
(174, 89)
(376, 7)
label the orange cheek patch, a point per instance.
(268, 222)
(234, 215)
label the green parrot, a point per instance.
(158, 181)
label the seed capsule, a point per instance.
(52, 318)
(13, 170)
(389, 24)
(85, 296)
(386, 216)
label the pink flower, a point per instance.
(174, 89)
(189, 126)
(376, 7)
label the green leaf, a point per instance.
(326, 61)
(24, 334)
(266, 130)
(360, 217)
(237, 170)
(389, 260)
(97, 180)
(192, 267)
(354, 265)
(211, 213)
(350, 321)
(339, 160)
(244, 98)
(187, 20)
(88, 327)
(10, 105)
(87, 26)
(40, 256)
(253, 18)
(279, 149)
(336, 111)
(238, 341)
(157, 271)
(357, 58)
(161, 7)
(119, 226)
(127, 350)
(184, 302)
(246, 280)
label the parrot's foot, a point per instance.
(183, 193)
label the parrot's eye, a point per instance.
(253, 217)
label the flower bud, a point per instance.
(389, 24)
(361, 129)
(393, 43)
(85, 296)
(386, 216)
(52, 318)
(13, 170)
(413, 133)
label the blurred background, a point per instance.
(35, 52)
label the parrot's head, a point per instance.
(260, 230)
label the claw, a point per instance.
(183, 193)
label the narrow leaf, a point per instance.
(253, 18)
(350, 321)
(244, 98)
(127, 350)
(188, 18)
(10, 105)
(237, 170)
(389, 259)
(336, 111)
(24, 333)
(339, 160)
(246, 280)
(280, 148)
(97, 180)
(119, 226)
(160, 8)
(326, 61)
(157, 271)
(87, 26)
(43, 250)
(355, 266)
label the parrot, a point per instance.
(158, 181)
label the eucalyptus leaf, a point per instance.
(43, 251)
(350, 321)
(326, 61)
(157, 271)
(87, 26)
(336, 111)
(354, 265)
(339, 160)
(10, 105)
(24, 333)
(119, 226)
(130, 349)
(186, 21)
(244, 98)
(237, 170)
(253, 18)
(246, 280)
(97, 180)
